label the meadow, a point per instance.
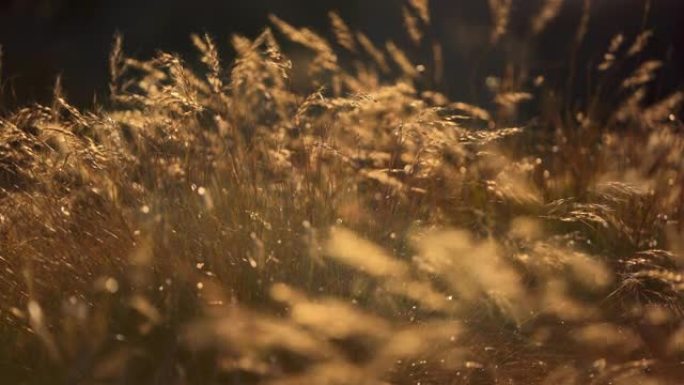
(318, 212)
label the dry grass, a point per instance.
(225, 226)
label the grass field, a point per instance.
(332, 219)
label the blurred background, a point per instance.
(44, 38)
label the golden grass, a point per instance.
(229, 226)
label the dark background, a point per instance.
(44, 38)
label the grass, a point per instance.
(233, 224)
